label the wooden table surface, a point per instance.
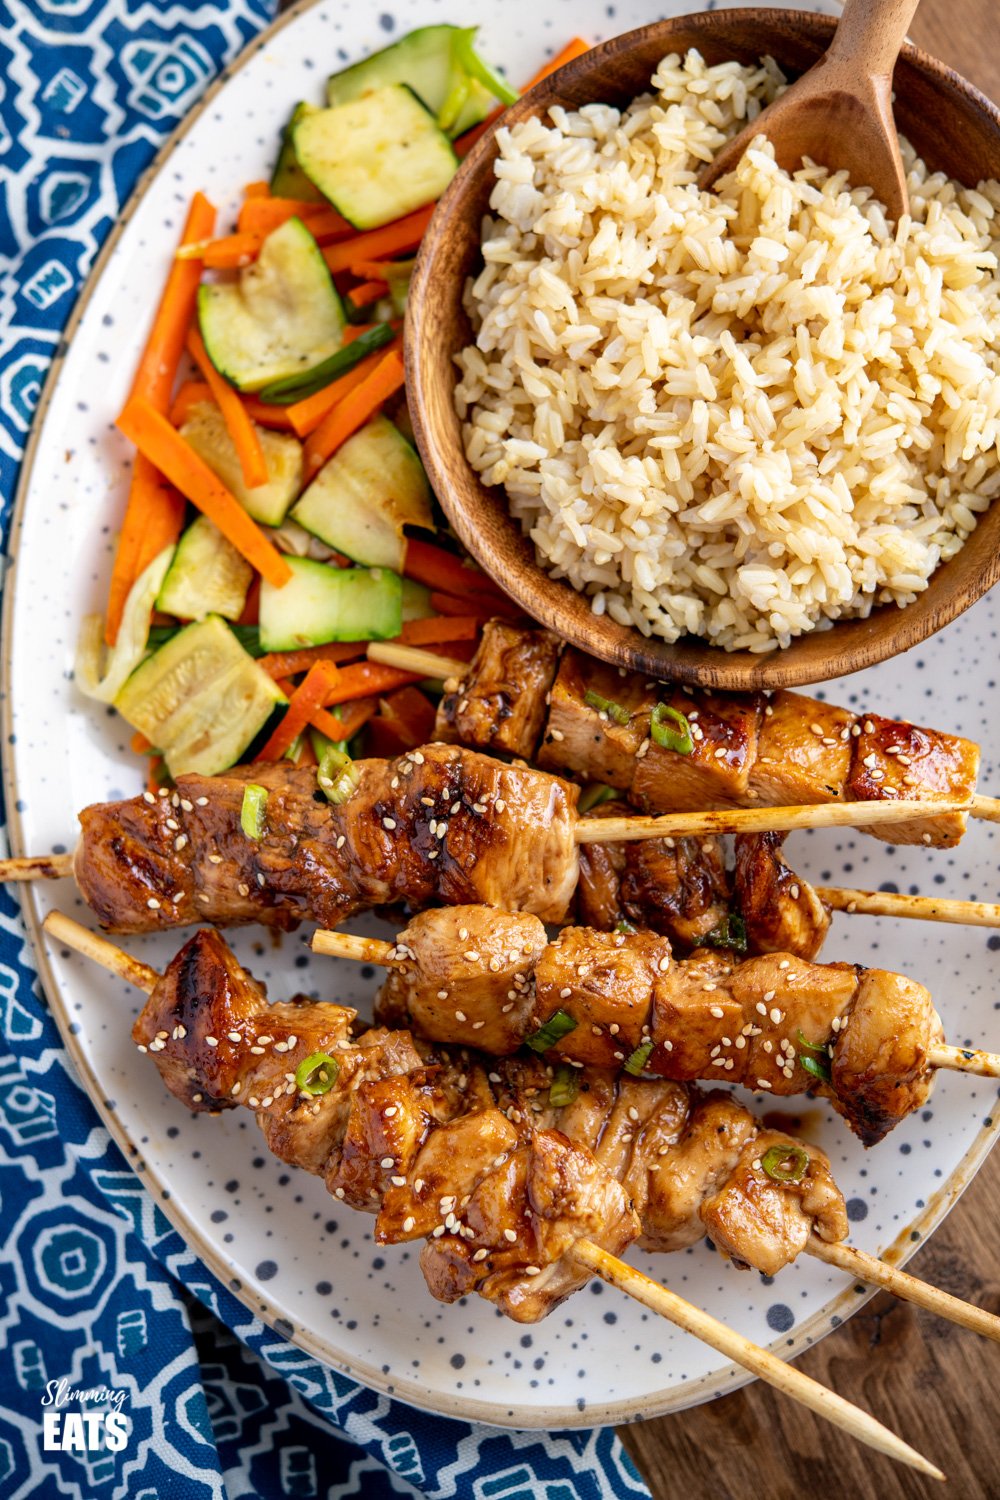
(934, 1384)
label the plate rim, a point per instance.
(660, 1402)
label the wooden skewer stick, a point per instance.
(756, 820)
(966, 1060)
(727, 1341)
(868, 1268)
(64, 930)
(336, 944)
(37, 867)
(784, 1377)
(987, 809)
(922, 908)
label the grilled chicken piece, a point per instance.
(438, 824)
(585, 740)
(236, 1045)
(524, 1219)
(604, 982)
(676, 886)
(716, 772)
(773, 1022)
(501, 705)
(684, 1159)
(469, 965)
(893, 760)
(503, 1181)
(772, 1221)
(803, 753)
(879, 1070)
(781, 911)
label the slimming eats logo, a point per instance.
(83, 1421)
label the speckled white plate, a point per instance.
(292, 1254)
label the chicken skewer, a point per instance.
(440, 824)
(668, 747)
(337, 1109)
(867, 1039)
(701, 1131)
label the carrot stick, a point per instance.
(363, 678)
(434, 632)
(354, 410)
(377, 268)
(163, 445)
(267, 416)
(154, 512)
(290, 663)
(576, 48)
(191, 394)
(139, 744)
(444, 572)
(262, 215)
(367, 293)
(320, 680)
(354, 717)
(234, 414)
(153, 773)
(250, 614)
(306, 755)
(228, 253)
(306, 415)
(378, 244)
(257, 190)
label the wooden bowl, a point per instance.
(954, 127)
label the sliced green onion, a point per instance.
(670, 730)
(337, 775)
(818, 1067)
(253, 810)
(785, 1163)
(638, 1059)
(316, 1074)
(477, 68)
(559, 1024)
(454, 102)
(608, 706)
(624, 925)
(730, 933)
(297, 387)
(809, 1046)
(594, 795)
(564, 1087)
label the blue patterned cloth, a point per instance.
(96, 1288)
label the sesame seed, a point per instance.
(236, 1088)
(532, 1270)
(390, 1112)
(480, 1255)
(387, 1162)
(557, 735)
(211, 1041)
(201, 801)
(342, 839)
(794, 892)
(510, 1236)
(762, 1083)
(761, 1008)
(408, 1223)
(243, 888)
(869, 727)
(142, 1047)
(471, 956)
(234, 1036)
(500, 805)
(776, 1016)
(460, 1015)
(398, 1181)
(173, 825)
(152, 903)
(215, 859)
(716, 1011)
(389, 824)
(148, 797)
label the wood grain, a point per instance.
(935, 1384)
(952, 126)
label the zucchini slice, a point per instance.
(323, 603)
(207, 576)
(281, 316)
(268, 503)
(416, 600)
(376, 158)
(288, 179)
(365, 494)
(201, 699)
(429, 61)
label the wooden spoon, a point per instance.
(839, 113)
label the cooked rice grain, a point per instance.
(741, 415)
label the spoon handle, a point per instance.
(870, 34)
